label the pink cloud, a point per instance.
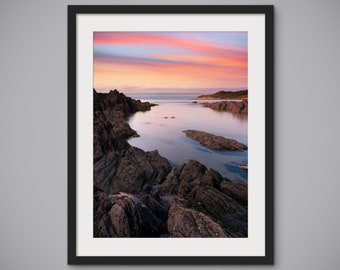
(166, 41)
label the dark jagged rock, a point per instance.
(168, 200)
(159, 210)
(105, 169)
(109, 135)
(110, 130)
(211, 178)
(215, 142)
(118, 103)
(194, 171)
(118, 167)
(151, 226)
(136, 168)
(170, 185)
(123, 215)
(243, 94)
(220, 207)
(100, 204)
(228, 106)
(184, 222)
(114, 221)
(238, 190)
(199, 190)
(129, 170)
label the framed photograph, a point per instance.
(170, 135)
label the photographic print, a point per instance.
(170, 135)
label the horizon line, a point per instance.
(178, 91)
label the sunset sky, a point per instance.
(144, 62)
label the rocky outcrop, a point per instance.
(137, 168)
(200, 189)
(215, 142)
(203, 204)
(122, 173)
(228, 106)
(110, 130)
(118, 104)
(243, 94)
(220, 207)
(129, 170)
(119, 167)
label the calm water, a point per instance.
(162, 129)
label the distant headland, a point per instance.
(236, 102)
(227, 95)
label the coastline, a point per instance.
(138, 194)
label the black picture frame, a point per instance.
(268, 258)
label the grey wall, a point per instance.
(33, 145)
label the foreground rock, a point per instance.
(215, 142)
(228, 106)
(129, 170)
(207, 205)
(123, 215)
(200, 190)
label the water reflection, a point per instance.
(162, 129)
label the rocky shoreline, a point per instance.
(228, 106)
(235, 102)
(138, 194)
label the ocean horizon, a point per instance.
(163, 96)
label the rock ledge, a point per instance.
(215, 142)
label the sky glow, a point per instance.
(147, 62)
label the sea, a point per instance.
(162, 127)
